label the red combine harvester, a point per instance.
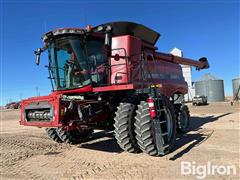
(111, 77)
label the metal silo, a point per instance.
(211, 87)
(236, 84)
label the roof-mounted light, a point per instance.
(89, 28)
(44, 38)
(68, 31)
(107, 28)
(100, 28)
(47, 36)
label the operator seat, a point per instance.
(74, 75)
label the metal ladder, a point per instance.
(160, 123)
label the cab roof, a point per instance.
(130, 28)
(117, 29)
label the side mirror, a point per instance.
(38, 54)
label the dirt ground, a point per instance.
(27, 153)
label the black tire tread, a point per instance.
(178, 111)
(52, 134)
(124, 127)
(143, 129)
(74, 136)
(144, 136)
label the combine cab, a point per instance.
(111, 77)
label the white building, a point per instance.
(187, 74)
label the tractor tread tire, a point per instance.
(74, 136)
(124, 127)
(144, 128)
(52, 134)
(178, 111)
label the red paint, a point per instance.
(114, 88)
(52, 99)
(79, 90)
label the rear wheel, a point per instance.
(74, 136)
(144, 128)
(124, 127)
(183, 119)
(52, 134)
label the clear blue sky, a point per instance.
(208, 29)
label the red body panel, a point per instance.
(52, 99)
(127, 46)
(80, 90)
(168, 74)
(114, 88)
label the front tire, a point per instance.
(124, 127)
(52, 134)
(74, 136)
(145, 130)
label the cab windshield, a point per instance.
(70, 63)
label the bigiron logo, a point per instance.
(208, 169)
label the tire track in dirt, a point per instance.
(73, 164)
(16, 149)
(35, 157)
(68, 165)
(41, 157)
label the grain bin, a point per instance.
(211, 87)
(235, 85)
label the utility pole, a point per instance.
(37, 92)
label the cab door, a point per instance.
(97, 62)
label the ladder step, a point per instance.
(164, 134)
(163, 122)
(157, 98)
(166, 146)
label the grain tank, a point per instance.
(210, 86)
